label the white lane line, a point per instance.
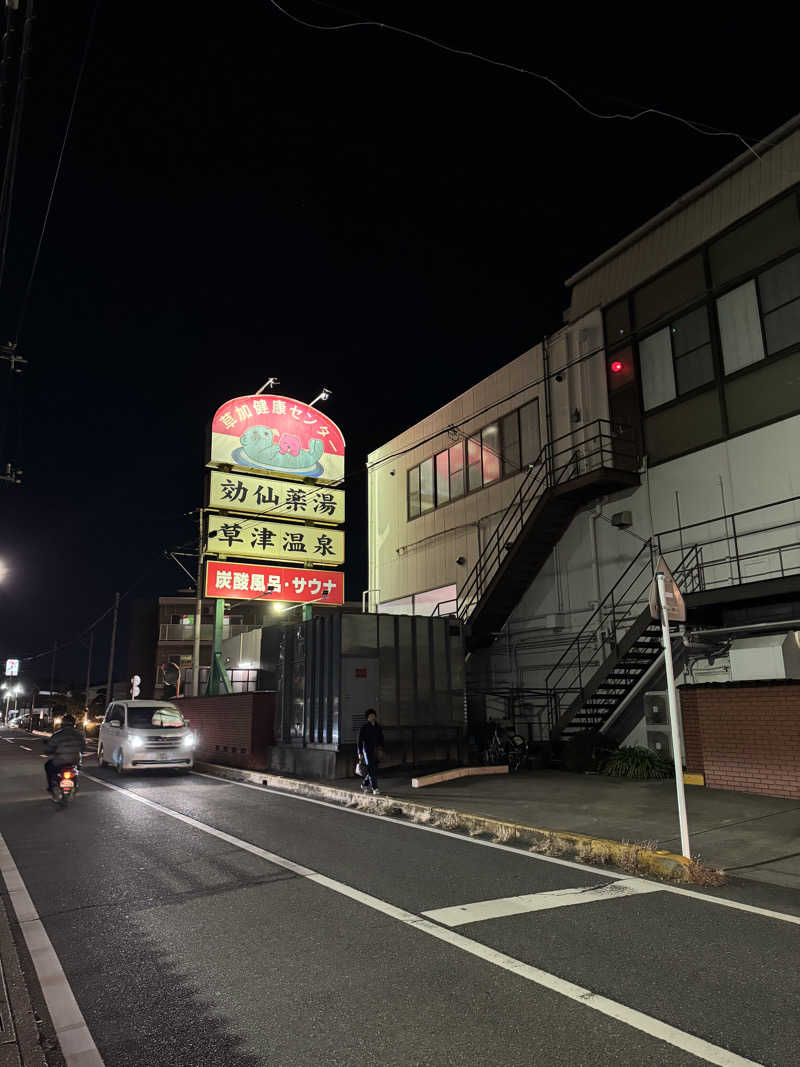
(722, 902)
(42, 755)
(9, 740)
(482, 910)
(638, 1020)
(73, 1034)
(26, 748)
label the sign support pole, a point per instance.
(673, 719)
(198, 613)
(111, 651)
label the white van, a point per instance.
(141, 734)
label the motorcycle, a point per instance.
(65, 785)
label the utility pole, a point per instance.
(112, 650)
(89, 669)
(198, 612)
(53, 668)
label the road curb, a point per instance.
(629, 856)
(22, 1044)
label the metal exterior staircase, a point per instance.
(596, 460)
(613, 650)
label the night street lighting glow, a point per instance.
(3, 570)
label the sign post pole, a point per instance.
(198, 613)
(673, 717)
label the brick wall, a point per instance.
(234, 730)
(744, 736)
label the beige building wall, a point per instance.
(412, 556)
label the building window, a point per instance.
(490, 451)
(457, 487)
(442, 478)
(529, 434)
(413, 492)
(655, 363)
(427, 500)
(779, 290)
(496, 451)
(676, 359)
(740, 327)
(691, 351)
(474, 470)
(510, 431)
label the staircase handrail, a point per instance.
(616, 608)
(551, 468)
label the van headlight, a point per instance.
(134, 741)
(188, 741)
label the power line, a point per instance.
(27, 294)
(704, 129)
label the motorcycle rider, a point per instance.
(64, 748)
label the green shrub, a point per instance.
(633, 761)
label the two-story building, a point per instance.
(662, 417)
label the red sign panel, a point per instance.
(279, 435)
(258, 581)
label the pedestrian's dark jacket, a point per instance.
(370, 739)
(65, 746)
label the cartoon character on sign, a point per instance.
(279, 452)
(277, 433)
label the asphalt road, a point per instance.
(216, 924)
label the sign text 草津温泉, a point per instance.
(264, 539)
(275, 498)
(255, 581)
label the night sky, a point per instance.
(244, 197)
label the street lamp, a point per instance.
(3, 570)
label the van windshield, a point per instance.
(149, 718)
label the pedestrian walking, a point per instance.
(370, 750)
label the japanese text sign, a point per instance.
(280, 435)
(269, 496)
(253, 581)
(12, 668)
(264, 539)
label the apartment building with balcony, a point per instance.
(162, 639)
(663, 417)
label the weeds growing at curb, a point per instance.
(702, 875)
(503, 835)
(595, 852)
(633, 858)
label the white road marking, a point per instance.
(73, 1034)
(26, 748)
(42, 755)
(482, 910)
(9, 740)
(638, 1020)
(722, 902)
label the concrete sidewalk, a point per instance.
(749, 836)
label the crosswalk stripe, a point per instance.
(482, 910)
